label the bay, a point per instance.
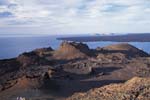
(11, 47)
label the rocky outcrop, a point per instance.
(72, 50)
(80, 67)
(42, 51)
(27, 59)
(111, 58)
(134, 89)
(142, 66)
(32, 58)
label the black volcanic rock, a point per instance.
(41, 51)
(32, 58)
(112, 58)
(80, 67)
(9, 65)
(9, 72)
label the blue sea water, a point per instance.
(13, 46)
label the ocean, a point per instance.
(11, 47)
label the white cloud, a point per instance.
(73, 16)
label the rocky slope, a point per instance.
(9, 72)
(56, 74)
(134, 89)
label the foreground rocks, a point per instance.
(134, 89)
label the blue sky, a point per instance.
(74, 16)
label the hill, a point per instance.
(72, 50)
(134, 89)
(127, 49)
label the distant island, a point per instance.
(143, 37)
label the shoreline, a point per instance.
(112, 38)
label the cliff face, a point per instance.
(71, 50)
(134, 89)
